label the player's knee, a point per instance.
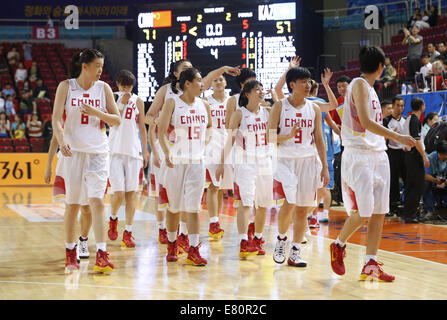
(85, 210)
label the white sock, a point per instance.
(161, 225)
(128, 228)
(369, 257)
(341, 244)
(251, 221)
(70, 245)
(296, 245)
(101, 246)
(214, 219)
(282, 235)
(194, 240)
(243, 236)
(258, 235)
(113, 217)
(183, 229)
(172, 236)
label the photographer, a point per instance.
(435, 180)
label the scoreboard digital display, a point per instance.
(257, 36)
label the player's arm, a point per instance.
(58, 111)
(209, 126)
(231, 106)
(163, 125)
(156, 105)
(51, 153)
(319, 143)
(360, 96)
(331, 123)
(112, 116)
(294, 62)
(213, 75)
(234, 124)
(143, 132)
(152, 137)
(272, 126)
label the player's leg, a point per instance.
(172, 221)
(70, 219)
(116, 201)
(313, 222)
(213, 203)
(86, 224)
(131, 200)
(117, 182)
(299, 229)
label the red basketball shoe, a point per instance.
(113, 232)
(373, 271)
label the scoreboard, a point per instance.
(256, 36)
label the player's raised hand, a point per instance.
(294, 131)
(326, 77)
(294, 62)
(233, 71)
(89, 110)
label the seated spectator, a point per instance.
(8, 90)
(27, 56)
(10, 105)
(437, 77)
(435, 181)
(432, 51)
(421, 24)
(426, 69)
(433, 16)
(47, 134)
(2, 104)
(442, 49)
(27, 104)
(41, 91)
(425, 16)
(13, 54)
(21, 73)
(5, 126)
(33, 72)
(4, 69)
(387, 108)
(34, 126)
(413, 19)
(428, 123)
(18, 128)
(389, 73)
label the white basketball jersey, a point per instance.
(252, 132)
(353, 134)
(170, 93)
(189, 123)
(125, 139)
(300, 146)
(82, 132)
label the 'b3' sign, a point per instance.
(372, 17)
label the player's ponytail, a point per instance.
(250, 85)
(79, 58)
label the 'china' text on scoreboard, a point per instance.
(260, 37)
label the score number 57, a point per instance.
(281, 25)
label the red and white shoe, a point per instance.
(172, 255)
(337, 255)
(215, 232)
(163, 236)
(258, 244)
(313, 222)
(128, 240)
(247, 249)
(194, 258)
(183, 243)
(71, 262)
(113, 229)
(251, 231)
(103, 264)
(373, 271)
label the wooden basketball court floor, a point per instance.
(32, 260)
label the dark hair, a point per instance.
(125, 78)
(395, 98)
(441, 147)
(244, 75)
(385, 102)
(295, 74)
(250, 85)
(79, 58)
(370, 58)
(173, 68)
(313, 85)
(429, 117)
(442, 41)
(186, 75)
(343, 79)
(416, 104)
(425, 55)
(418, 15)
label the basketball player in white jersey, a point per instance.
(157, 163)
(85, 220)
(214, 194)
(88, 104)
(190, 117)
(365, 168)
(129, 155)
(253, 181)
(301, 168)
